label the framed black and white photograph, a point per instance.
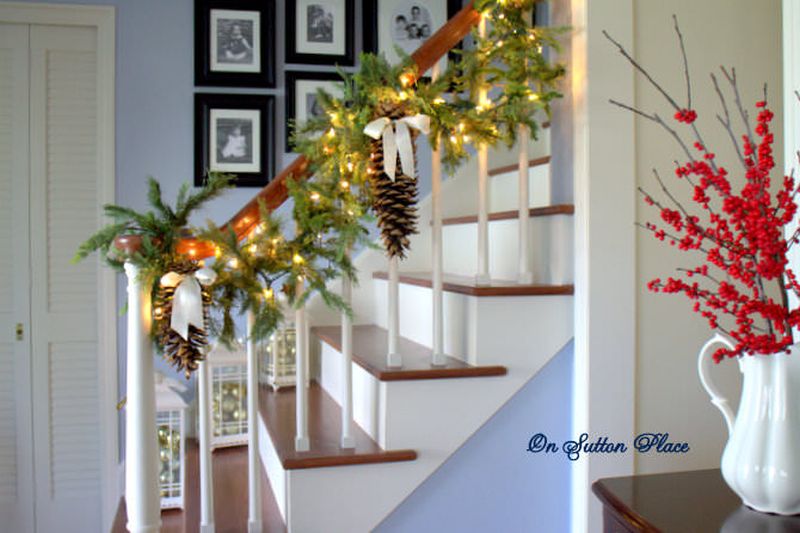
(235, 43)
(302, 96)
(405, 24)
(320, 32)
(234, 134)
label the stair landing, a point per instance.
(369, 351)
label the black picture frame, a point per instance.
(293, 55)
(209, 70)
(242, 108)
(372, 16)
(292, 77)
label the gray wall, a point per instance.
(492, 483)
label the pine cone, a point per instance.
(394, 202)
(183, 354)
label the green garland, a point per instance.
(332, 210)
(161, 228)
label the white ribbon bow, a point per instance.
(397, 137)
(187, 301)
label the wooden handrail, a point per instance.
(275, 193)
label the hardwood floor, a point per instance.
(230, 497)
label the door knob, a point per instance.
(19, 331)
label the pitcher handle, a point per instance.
(704, 365)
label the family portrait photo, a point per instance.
(234, 134)
(320, 32)
(320, 23)
(235, 41)
(392, 25)
(234, 140)
(412, 25)
(302, 96)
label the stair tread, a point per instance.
(466, 285)
(369, 351)
(277, 409)
(549, 210)
(510, 168)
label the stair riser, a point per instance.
(550, 247)
(367, 391)
(273, 467)
(472, 324)
(504, 189)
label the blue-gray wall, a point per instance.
(492, 483)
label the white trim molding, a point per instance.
(791, 110)
(605, 245)
(103, 18)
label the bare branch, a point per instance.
(731, 77)
(685, 62)
(638, 67)
(726, 122)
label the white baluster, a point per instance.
(525, 274)
(438, 357)
(394, 358)
(204, 434)
(253, 462)
(301, 442)
(483, 277)
(141, 439)
(348, 441)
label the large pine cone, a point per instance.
(394, 202)
(181, 353)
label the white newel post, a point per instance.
(141, 439)
(483, 277)
(525, 274)
(394, 358)
(348, 441)
(204, 437)
(438, 357)
(301, 442)
(253, 464)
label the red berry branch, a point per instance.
(737, 235)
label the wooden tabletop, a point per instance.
(682, 502)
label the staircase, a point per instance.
(411, 419)
(357, 435)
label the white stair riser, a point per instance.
(550, 241)
(504, 189)
(273, 467)
(367, 391)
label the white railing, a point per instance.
(204, 406)
(141, 438)
(438, 357)
(525, 274)
(347, 441)
(301, 441)
(483, 277)
(253, 461)
(394, 359)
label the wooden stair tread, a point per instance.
(510, 168)
(550, 210)
(466, 285)
(369, 351)
(324, 431)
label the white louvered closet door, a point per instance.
(64, 167)
(16, 445)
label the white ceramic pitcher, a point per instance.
(761, 461)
